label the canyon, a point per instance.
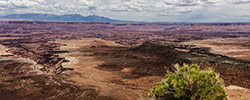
(102, 60)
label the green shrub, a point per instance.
(189, 83)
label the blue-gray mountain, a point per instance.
(61, 18)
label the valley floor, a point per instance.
(111, 82)
(100, 72)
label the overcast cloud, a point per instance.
(138, 10)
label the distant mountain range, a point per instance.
(61, 18)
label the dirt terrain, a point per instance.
(113, 67)
(85, 69)
(231, 47)
(237, 93)
(20, 79)
(115, 60)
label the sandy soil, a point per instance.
(3, 50)
(238, 93)
(86, 71)
(232, 47)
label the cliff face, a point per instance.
(221, 27)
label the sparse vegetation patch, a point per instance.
(190, 83)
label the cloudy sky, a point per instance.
(138, 10)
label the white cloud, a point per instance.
(22, 3)
(3, 2)
(142, 10)
(40, 1)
